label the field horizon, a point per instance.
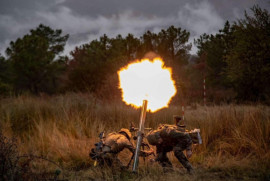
(63, 129)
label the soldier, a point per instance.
(115, 143)
(171, 138)
(177, 119)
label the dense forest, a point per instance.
(235, 62)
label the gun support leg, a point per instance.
(130, 161)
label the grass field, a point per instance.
(63, 129)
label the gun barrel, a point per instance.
(140, 136)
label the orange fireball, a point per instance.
(147, 80)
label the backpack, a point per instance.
(153, 137)
(165, 131)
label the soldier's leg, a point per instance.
(118, 164)
(108, 159)
(111, 160)
(162, 158)
(183, 159)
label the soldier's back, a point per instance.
(153, 137)
(172, 135)
(116, 141)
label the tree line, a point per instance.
(235, 62)
(238, 57)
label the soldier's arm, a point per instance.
(189, 146)
(129, 146)
(189, 141)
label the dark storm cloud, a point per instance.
(156, 7)
(86, 20)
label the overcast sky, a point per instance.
(86, 20)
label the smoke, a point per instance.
(151, 55)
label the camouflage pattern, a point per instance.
(170, 138)
(126, 131)
(115, 143)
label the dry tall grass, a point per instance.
(236, 139)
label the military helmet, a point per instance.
(177, 117)
(124, 130)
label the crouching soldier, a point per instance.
(113, 144)
(171, 138)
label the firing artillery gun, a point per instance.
(98, 153)
(144, 143)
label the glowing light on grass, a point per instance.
(147, 80)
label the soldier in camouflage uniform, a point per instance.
(115, 143)
(171, 138)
